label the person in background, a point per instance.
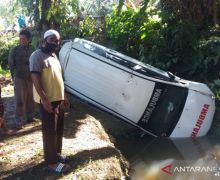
(21, 22)
(46, 74)
(18, 60)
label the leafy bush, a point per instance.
(91, 28)
(171, 44)
(168, 42)
(70, 29)
(7, 41)
(208, 56)
(215, 86)
(165, 42)
(153, 47)
(124, 30)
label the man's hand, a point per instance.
(47, 105)
(65, 103)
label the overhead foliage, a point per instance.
(161, 38)
(25, 5)
(124, 30)
(200, 13)
(173, 35)
(6, 43)
(97, 7)
(9, 12)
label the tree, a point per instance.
(9, 12)
(200, 13)
(26, 6)
(52, 14)
(44, 21)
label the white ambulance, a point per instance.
(155, 101)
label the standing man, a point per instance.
(47, 78)
(19, 66)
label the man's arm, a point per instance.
(11, 62)
(65, 103)
(36, 79)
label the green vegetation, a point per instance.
(7, 41)
(5, 72)
(168, 40)
(165, 35)
(165, 42)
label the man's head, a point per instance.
(51, 41)
(24, 37)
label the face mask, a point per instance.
(49, 48)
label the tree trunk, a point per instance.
(44, 23)
(120, 4)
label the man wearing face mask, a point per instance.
(46, 74)
(18, 60)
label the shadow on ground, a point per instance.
(78, 160)
(85, 141)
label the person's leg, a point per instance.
(49, 129)
(2, 123)
(49, 136)
(29, 102)
(19, 99)
(60, 125)
(1, 108)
